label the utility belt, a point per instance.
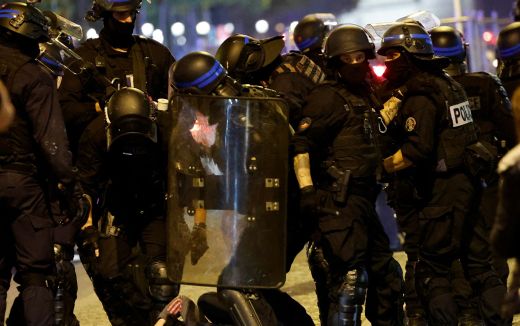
(341, 183)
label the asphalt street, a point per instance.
(299, 285)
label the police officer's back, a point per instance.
(490, 105)
(260, 62)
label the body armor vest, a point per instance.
(480, 102)
(141, 59)
(354, 147)
(455, 128)
(17, 145)
(295, 62)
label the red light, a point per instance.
(379, 70)
(487, 36)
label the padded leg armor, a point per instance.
(65, 287)
(161, 289)
(247, 307)
(351, 293)
(320, 272)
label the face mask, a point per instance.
(397, 70)
(355, 73)
(118, 34)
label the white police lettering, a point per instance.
(460, 114)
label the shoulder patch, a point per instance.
(410, 124)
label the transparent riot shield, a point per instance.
(228, 163)
(427, 19)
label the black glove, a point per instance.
(308, 200)
(74, 203)
(199, 242)
(88, 248)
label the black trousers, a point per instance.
(26, 242)
(450, 230)
(119, 279)
(354, 239)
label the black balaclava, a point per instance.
(116, 33)
(399, 70)
(354, 73)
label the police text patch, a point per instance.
(460, 114)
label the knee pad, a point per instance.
(160, 287)
(350, 298)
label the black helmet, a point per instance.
(448, 42)
(508, 42)
(310, 32)
(242, 54)
(130, 118)
(407, 36)
(24, 20)
(101, 6)
(348, 38)
(197, 72)
(516, 10)
(51, 59)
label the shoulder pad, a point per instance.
(294, 62)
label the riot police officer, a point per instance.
(433, 180)
(33, 151)
(65, 285)
(293, 75)
(336, 163)
(122, 165)
(508, 69)
(119, 56)
(201, 73)
(310, 33)
(491, 111)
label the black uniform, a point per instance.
(437, 194)
(339, 132)
(78, 94)
(491, 111)
(130, 196)
(34, 148)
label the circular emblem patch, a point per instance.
(410, 124)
